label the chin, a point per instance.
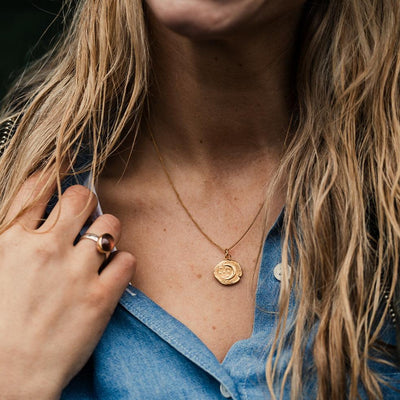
(204, 18)
(195, 29)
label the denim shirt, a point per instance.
(145, 353)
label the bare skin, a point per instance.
(220, 109)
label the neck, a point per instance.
(214, 99)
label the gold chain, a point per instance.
(227, 250)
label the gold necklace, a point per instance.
(228, 271)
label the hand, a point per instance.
(54, 306)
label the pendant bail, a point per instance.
(228, 255)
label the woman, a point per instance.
(197, 123)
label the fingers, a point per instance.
(32, 189)
(71, 212)
(88, 248)
(119, 272)
(66, 220)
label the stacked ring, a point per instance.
(105, 242)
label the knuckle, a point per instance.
(44, 251)
(78, 197)
(128, 259)
(49, 240)
(112, 222)
(127, 266)
(48, 245)
(77, 191)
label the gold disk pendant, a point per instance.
(228, 272)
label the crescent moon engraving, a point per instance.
(228, 272)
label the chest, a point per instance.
(175, 261)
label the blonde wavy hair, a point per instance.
(342, 169)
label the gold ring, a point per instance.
(104, 243)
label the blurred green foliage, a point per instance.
(27, 29)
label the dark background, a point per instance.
(27, 29)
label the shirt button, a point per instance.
(278, 271)
(224, 391)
